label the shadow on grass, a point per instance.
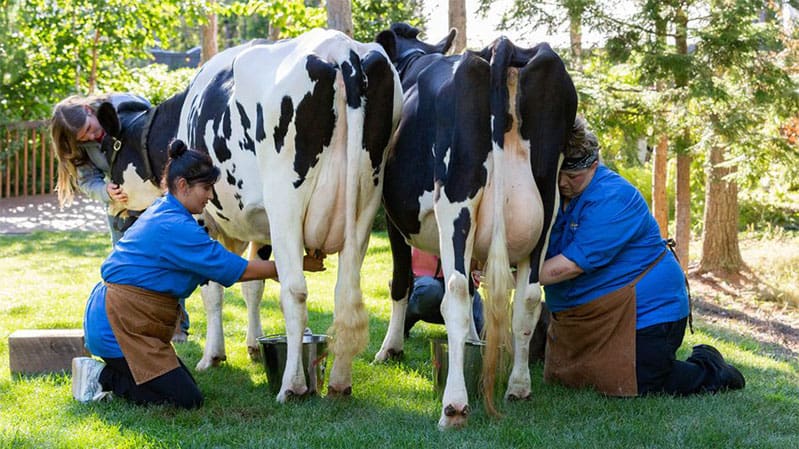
(757, 326)
(56, 245)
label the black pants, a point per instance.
(176, 387)
(659, 371)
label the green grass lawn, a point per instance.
(46, 278)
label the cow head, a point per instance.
(128, 160)
(400, 41)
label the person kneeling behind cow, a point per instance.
(424, 302)
(131, 314)
(618, 296)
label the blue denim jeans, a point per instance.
(424, 303)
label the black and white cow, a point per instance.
(299, 129)
(474, 175)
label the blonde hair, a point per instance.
(69, 116)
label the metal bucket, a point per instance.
(314, 357)
(472, 366)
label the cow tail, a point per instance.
(351, 333)
(498, 278)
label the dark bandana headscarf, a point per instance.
(579, 163)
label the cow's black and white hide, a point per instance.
(299, 129)
(473, 174)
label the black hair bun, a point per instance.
(177, 148)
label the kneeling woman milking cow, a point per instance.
(131, 314)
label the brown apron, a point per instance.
(593, 344)
(143, 322)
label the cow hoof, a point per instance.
(515, 397)
(292, 396)
(204, 364)
(334, 392)
(390, 354)
(395, 355)
(454, 418)
(255, 353)
(385, 355)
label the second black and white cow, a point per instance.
(299, 129)
(473, 175)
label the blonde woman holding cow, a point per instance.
(163, 257)
(618, 297)
(83, 148)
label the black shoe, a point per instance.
(721, 376)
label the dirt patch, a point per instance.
(758, 303)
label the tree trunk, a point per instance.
(274, 32)
(720, 251)
(339, 16)
(682, 213)
(457, 20)
(660, 201)
(210, 47)
(576, 39)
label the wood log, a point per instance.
(41, 351)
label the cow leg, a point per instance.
(293, 296)
(214, 351)
(400, 287)
(456, 309)
(392, 347)
(350, 320)
(253, 292)
(526, 310)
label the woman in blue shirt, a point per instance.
(618, 296)
(163, 257)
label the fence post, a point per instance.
(25, 163)
(16, 166)
(8, 165)
(2, 168)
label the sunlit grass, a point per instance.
(46, 278)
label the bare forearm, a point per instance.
(559, 269)
(259, 269)
(266, 269)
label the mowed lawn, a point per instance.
(46, 277)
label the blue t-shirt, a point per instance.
(610, 234)
(165, 251)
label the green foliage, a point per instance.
(291, 17)
(617, 109)
(532, 15)
(154, 82)
(746, 96)
(65, 43)
(370, 17)
(294, 17)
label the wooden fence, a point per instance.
(27, 161)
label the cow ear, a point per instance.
(446, 43)
(108, 118)
(388, 41)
